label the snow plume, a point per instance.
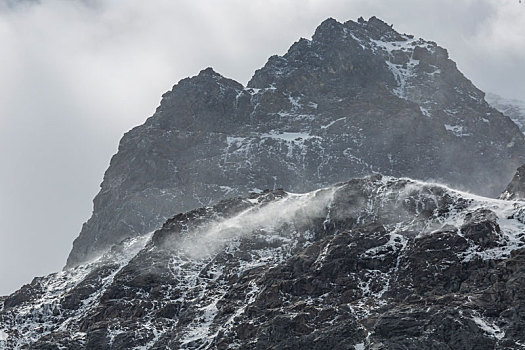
(276, 221)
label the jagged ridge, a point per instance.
(359, 98)
(372, 263)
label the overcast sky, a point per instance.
(76, 74)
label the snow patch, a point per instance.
(294, 101)
(226, 189)
(406, 45)
(489, 328)
(360, 346)
(425, 112)
(402, 74)
(361, 43)
(332, 123)
(289, 136)
(456, 130)
(313, 105)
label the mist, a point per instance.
(295, 211)
(75, 75)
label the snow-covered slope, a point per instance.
(358, 98)
(373, 263)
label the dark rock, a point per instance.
(357, 99)
(374, 263)
(516, 188)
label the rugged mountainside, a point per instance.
(512, 108)
(374, 263)
(516, 188)
(358, 98)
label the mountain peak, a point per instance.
(359, 98)
(197, 89)
(379, 261)
(209, 72)
(328, 29)
(374, 29)
(376, 23)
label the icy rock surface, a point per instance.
(373, 263)
(358, 98)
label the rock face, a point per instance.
(514, 109)
(516, 188)
(374, 263)
(359, 98)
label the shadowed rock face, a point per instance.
(516, 188)
(359, 98)
(374, 263)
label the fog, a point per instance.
(76, 74)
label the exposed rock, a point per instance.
(359, 98)
(373, 263)
(516, 188)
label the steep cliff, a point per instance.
(358, 98)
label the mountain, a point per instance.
(373, 263)
(513, 108)
(358, 98)
(516, 188)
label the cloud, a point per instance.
(76, 74)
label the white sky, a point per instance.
(76, 74)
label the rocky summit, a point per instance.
(358, 98)
(373, 263)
